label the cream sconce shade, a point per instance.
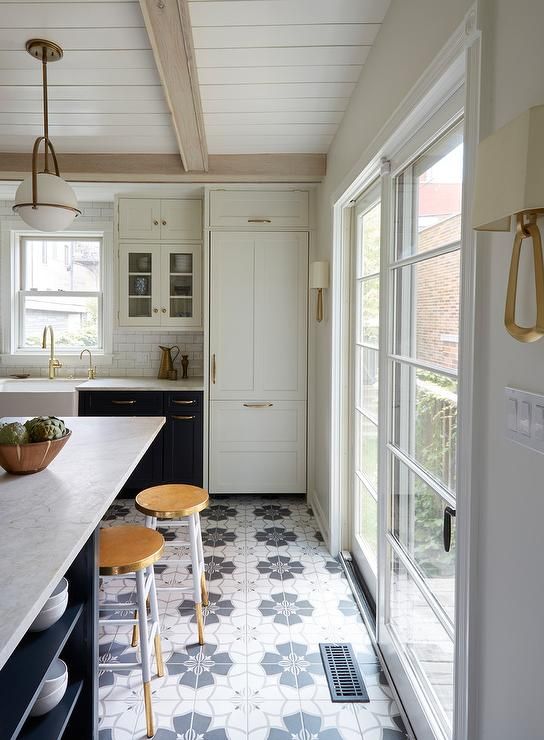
(510, 182)
(319, 279)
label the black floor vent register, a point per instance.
(343, 674)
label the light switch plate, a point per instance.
(524, 416)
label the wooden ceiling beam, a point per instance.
(169, 28)
(168, 167)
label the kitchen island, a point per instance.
(48, 529)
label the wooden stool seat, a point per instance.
(128, 549)
(173, 501)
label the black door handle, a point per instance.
(446, 530)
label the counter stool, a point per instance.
(133, 549)
(180, 504)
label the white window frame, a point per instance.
(10, 308)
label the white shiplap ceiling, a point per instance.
(105, 94)
(274, 75)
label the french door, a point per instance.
(417, 621)
(404, 435)
(365, 321)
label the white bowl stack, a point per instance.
(53, 609)
(53, 689)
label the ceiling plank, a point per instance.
(286, 12)
(280, 167)
(170, 35)
(312, 34)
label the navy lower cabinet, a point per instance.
(176, 455)
(74, 638)
(183, 449)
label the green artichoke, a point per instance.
(13, 433)
(46, 428)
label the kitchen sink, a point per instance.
(39, 397)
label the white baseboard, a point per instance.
(313, 503)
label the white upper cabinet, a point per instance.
(139, 218)
(160, 285)
(276, 209)
(258, 315)
(181, 220)
(166, 219)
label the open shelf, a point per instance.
(23, 675)
(51, 726)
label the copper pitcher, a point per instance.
(167, 361)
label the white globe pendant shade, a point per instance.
(56, 205)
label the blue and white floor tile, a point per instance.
(275, 594)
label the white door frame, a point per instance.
(458, 61)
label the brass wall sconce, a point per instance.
(510, 182)
(319, 279)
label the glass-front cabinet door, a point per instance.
(180, 304)
(160, 285)
(139, 285)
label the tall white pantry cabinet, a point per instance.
(258, 340)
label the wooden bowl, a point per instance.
(32, 457)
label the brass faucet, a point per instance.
(54, 364)
(91, 372)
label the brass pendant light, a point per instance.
(44, 200)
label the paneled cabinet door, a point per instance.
(181, 220)
(232, 319)
(139, 218)
(258, 315)
(183, 448)
(257, 447)
(181, 286)
(140, 285)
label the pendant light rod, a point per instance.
(45, 106)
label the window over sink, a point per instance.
(58, 280)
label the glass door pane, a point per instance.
(417, 627)
(365, 384)
(181, 284)
(140, 284)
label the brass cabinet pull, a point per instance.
(525, 231)
(123, 403)
(258, 405)
(163, 223)
(213, 368)
(185, 403)
(155, 310)
(259, 221)
(183, 418)
(163, 310)
(155, 222)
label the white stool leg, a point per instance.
(144, 648)
(151, 523)
(195, 558)
(154, 607)
(203, 588)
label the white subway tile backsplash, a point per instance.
(134, 353)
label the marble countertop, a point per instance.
(141, 384)
(47, 517)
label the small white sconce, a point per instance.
(319, 279)
(510, 182)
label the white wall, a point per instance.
(135, 353)
(412, 34)
(509, 630)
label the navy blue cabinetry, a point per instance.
(183, 439)
(176, 453)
